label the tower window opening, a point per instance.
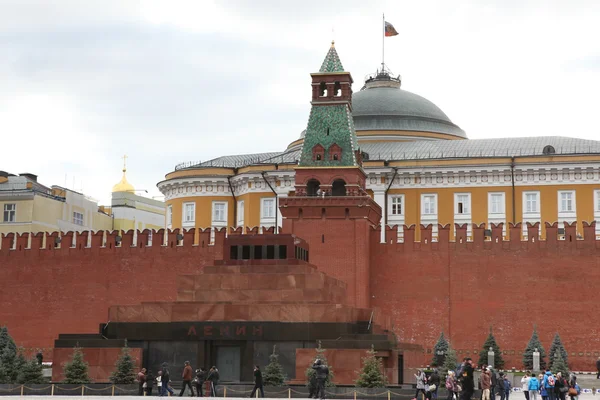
(327, 131)
(312, 187)
(335, 157)
(337, 89)
(338, 188)
(322, 90)
(549, 150)
(318, 157)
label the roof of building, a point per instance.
(332, 61)
(124, 185)
(433, 149)
(382, 105)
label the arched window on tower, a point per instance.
(322, 89)
(335, 152)
(318, 152)
(337, 89)
(338, 188)
(549, 150)
(312, 187)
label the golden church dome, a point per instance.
(123, 185)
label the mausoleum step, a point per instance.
(302, 268)
(329, 294)
(256, 281)
(194, 311)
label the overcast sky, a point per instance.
(84, 82)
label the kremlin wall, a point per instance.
(423, 287)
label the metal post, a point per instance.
(355, 395)
(389, 395)
(113, 390)
(52, 391)
(82, 389)
(224, 391)
(289, 393)
(22, 386)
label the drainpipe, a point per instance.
(234, 202)
(512, 179)
(276, 200)
(385, 200)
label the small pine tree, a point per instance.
(534, 343)
(555, 347)
(11, 358)
(310, 373)
(274, 375)
(76, 370)
(372, 375)
(32, 372)
(124, 372)
(559, 365)
(483, 354)
(450, 362)
(441, 345)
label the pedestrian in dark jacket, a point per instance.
(149, 383)
(258, 382)
(312, 386)
(598, 368)
(434, 379)
(200, 379)
(467, 381)
(165, 380)
(322, 373)
(500, 386)
(213, 377)
(186, 376)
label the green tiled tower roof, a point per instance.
(332, 61)
(330, 122)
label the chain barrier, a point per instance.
(98, 390)
(11, 390)
(38, 389)
(126, 390)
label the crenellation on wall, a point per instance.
(22, 241)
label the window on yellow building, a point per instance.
(532, 203)
(189, 213)
(396, 206)
(463, 203)
(240, 213)
(10, 213)
(566, 201)
(268, 208)
(219, 212)
(169, 216)
(77, 218)
(429, 204)
(496, 205)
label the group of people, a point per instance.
(460, 384)
(146, 381)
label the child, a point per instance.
(507, 387)
(159, 384)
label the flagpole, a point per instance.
(383, 44)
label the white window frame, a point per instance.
(457, 197)
(267, 221)
(396, 198)
(240, 213)
(573, 205)
(219, 207)
(429, 196)
(530, 216)
(9, 215)
(537, 203)
(430, 217)
(567, 215)
(491, 211)
(78, 218)
(187, 222)
(169, 216)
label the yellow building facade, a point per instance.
(421, 169)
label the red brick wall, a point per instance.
(101, 362)
(464, 288)
(47, 292)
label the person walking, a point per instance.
(467, 382)
(213, 378)
(486, 384)
(548, 383)
(561, 387)
(598, 368)
(525, 384)
(507, 387)
(451, 386)
(421, 384)
(141, 378)
(165, 380)
(494, 385)
(149, 383)
(543, 391)
(500, 386)
(258, 382)
(574, 389)
(187, 379)
(533, 387)
(434, 384)
(322, 372)
(200, 379)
